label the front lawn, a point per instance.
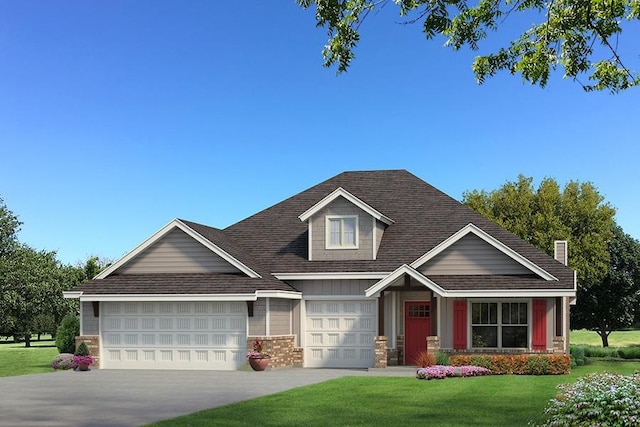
(506, 400)
(15, 359)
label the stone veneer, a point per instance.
(93, 344)
(281, 348)
(381, 352)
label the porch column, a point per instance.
(434, 315)
(381, 314)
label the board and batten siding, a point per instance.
(472, 255)
(279, 316)
(341, 206)
(258, 322)
(90, 323)
(332, 287)
(177, 252)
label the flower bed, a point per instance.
(600, 399)
(524, 364)
(440, 372)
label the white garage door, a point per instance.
(340, 334)
(173, 335)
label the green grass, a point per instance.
(15, 359)
(616, 339)
(508, 400)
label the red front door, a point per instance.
(417, 327)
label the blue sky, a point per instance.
(118, 116)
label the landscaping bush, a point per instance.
(524, 364)
(442, 358)
(66, 334)
(82, 350)
(629, 352)
(600, 399)
(578, 354)
(441, 372)
(63, 361)
(592, 351)
(424, 359)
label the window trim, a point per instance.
(327, 226)
(499, 323)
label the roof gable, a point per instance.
(486, 237)
(341, 192)
(205, 252)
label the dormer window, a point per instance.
(342, 232)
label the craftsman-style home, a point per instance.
(365, 269)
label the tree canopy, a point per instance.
(580, 36)
(610, 304)
(32, 282)
(577, 213)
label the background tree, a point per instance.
(610, 304)
(540, 216)
(581, 36)
(32, 283)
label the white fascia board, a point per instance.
(399, 272)
(334, 298)
(351, 198)
(71, 294)
(170, 297)
(471, 228)
(279, 294)
(511, 293)
(176, 223)
(331, 276)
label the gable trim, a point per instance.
(341, 192)
(176, 223)
(330, 276)
(477, 231)
(399, 272)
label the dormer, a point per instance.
(343, 227)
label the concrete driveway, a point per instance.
(132, 398)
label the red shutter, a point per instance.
(460, 324)
(539, 324)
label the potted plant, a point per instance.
(258, 358)
(82, 359)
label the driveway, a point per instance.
(132, 398)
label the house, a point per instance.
(365, 269)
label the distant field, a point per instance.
(15, 359)
(616, 339)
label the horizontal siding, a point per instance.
(472, 255)
(279, 317)
(380, 227)
(341, 206)
(90, 324)
(332, 287)
(177, 252)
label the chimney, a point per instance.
(560, 251)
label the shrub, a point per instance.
(592, 351)
(441, 372)
(630, 352)
(66, 334)
(524, 364)
(596, 399)
(442, 358)
(63, 361)
(578, 354)
(424, 359)
(82, 350)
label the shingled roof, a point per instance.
(275, 240)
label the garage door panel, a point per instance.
(180, 335)
(340, 334)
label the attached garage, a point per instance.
(340, 334)
(173, 335)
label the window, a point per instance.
(499, 325)
(342, 232)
